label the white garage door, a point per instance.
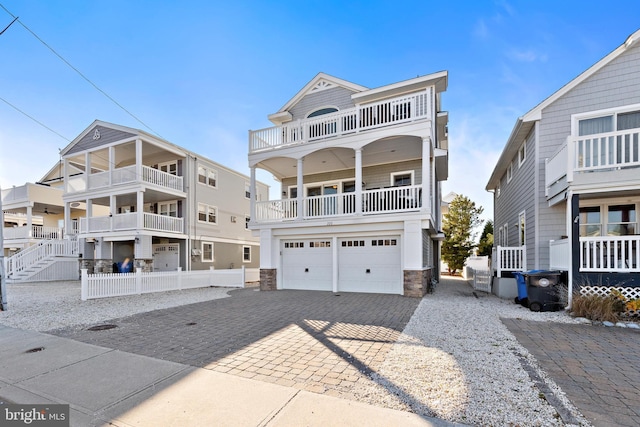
(370, 264)
(166, 257)
(307, 264)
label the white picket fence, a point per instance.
(119, 284)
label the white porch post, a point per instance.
(67, 220)
(253, 194)
(30, 221)
(300, 188)
(140, 210)
(138, 159)
(359, 181)
(88, 215)
(65, 174)
(112, 162)
(87, 169)
(426, 174)
(412, 245)
(112, 210)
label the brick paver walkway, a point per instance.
(597, 367)
(317, 341)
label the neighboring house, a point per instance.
(128, 194)
(567, 184)
(360, 172)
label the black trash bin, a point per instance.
(543, 290)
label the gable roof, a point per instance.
(525, 123)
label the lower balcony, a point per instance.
(599, 254)
(376, 201)
(129, 221)
(33, 232)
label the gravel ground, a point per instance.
(455, 359)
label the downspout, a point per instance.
(536, 205)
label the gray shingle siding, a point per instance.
(107, 136)
(338, 97)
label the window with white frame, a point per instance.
(522, 153)
(498, 190)
(522, 229)
(608, 220)
(621, 220)
(505, 235)
(510, 172)
(168, 208)
(590, 222)
(207, 213)
(207, 252)
(399, 179)
(169, 167)
(246, 254)
(247, 190)
(208, 176)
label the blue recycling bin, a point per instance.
(522, 288)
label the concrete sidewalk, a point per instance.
(110, 387)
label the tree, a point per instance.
(485, 245)
(458, 225)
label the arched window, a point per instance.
(322, 111)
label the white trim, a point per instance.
(522, 149)
(510, 172)
(202, 259)
(536, 206)
(393, 175)
(576, 118)
(522, 231)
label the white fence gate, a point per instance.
(119, 284)
(482, 280)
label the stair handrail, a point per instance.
(33, 254)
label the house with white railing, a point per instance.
(122, 193)
(566, 187)
(360, 172)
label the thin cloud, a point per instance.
(527, 55)
(480, 30)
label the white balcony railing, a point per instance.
(392, 111)
(606, 151)
(512, 258)
(384, 200)
(122, 176)
(610, 254)
(129, 221)
(33, 232)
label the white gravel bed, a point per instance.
(455, 360)
(28, 307)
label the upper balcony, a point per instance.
(365, 117)
(376, 201)
(595, 161)
(125, 175)
(132, 221)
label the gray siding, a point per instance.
(226, 255)
(337, 97)
(615, 85)
(107, 136)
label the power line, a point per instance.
(33, 118)
(78, 71)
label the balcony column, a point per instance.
(140, 210)
(427, 170)
(67, 220)
(253, 194)
(359, 181)
(30, 221)
(65, 175)
(300, 188)
(87, 169)
(88, 215)
(112, 210)
(139, 159)
(112, 162)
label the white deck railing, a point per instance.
(36, 253)
(509, 259)
(383, 200)
(610, 254)
(124, 175)
(606, 151)
(129, 221)
(120, 284)
(362, 117)
(33, 232)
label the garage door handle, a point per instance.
(306, 270)
(368, 270)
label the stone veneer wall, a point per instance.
(268, 281)
(416, 282)
(103, 266)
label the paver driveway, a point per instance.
(317, 341)
(597, 367)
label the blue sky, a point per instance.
(202, 73)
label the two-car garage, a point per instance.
(355, 264)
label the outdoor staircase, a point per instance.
(54, 259)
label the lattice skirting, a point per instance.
(603, 291)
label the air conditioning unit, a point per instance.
(196, 252)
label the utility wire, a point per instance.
(78, 71)
(33, 118)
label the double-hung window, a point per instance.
(207, 213)
(208, 176)
(207, 252)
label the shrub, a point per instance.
(596, 307)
